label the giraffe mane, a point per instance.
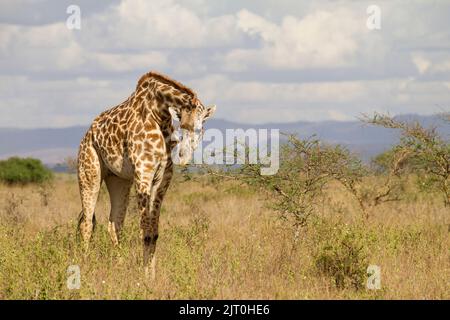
(165, 79)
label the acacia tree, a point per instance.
(307, 166)
(305, 169)
(426, 152)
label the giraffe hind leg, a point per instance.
(119, 193)
(90, 179)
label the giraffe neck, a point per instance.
(159, 97)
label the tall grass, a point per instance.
(220, 241)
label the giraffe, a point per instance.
(132, 143)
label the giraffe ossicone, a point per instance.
(133, 143)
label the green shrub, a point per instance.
(341, 253)
(23, 170)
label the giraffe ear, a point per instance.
(173, 113)
(209, 112)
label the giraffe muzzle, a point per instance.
(186, 147)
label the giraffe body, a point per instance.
(132, 144)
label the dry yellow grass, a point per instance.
(218, 240)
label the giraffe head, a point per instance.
(182, 104)
(191, 120)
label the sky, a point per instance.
(258, 61)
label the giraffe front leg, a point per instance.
(146, 183)
(149, 229)
(161, 183)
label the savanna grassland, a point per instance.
(220, 240)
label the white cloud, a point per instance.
(40, 48)
(123, 38)
(51, 103)
(431, 64)
(128, 62)
(140, 24)
(217, 87)
(282, 102)
(320, 39)
(421, 63)
(309, 61)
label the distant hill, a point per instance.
(53, 145)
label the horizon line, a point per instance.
(230, 121)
